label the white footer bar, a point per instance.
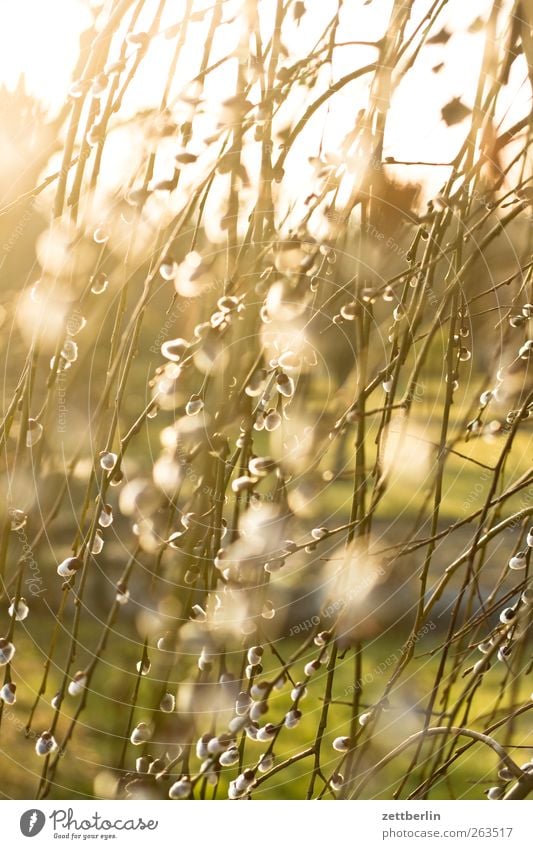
(268, 825)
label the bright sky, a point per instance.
(40, 40)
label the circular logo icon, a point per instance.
(32, 822)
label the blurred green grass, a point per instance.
(98, 738)
(85, 768)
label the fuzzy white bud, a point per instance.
(494, 793)
(105, 518)
(266, 733)
(236, 724)
(259, 690)
(45, 744)
(205, 661)
(292, 718)
(108, 460)
(77, 684)
(229, 757)
(167, 703)
(266, 762)
(341, 744)
(68, 567)
(298, 692)
(507, 615)
(194, 405)
(255, 653)
(312, 667)
(336, 781)
(259, 467)
(243, 483)
(518, 561)
(140, 734)
(7, 651)
(242, 704)
(19, 610)
(257, 710)
(181, 789)
(8, 693)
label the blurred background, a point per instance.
(159, 157)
